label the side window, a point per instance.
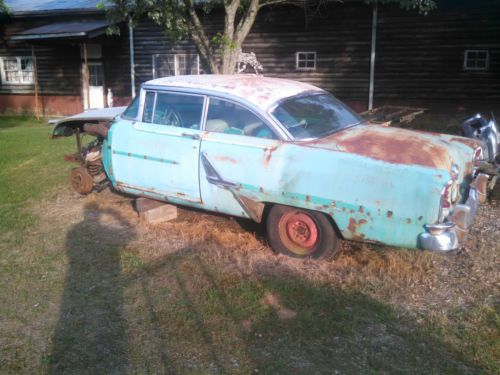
(149, 105)
(133, 109)
(178, 110)
(231, 118)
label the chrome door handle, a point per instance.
(192, 136)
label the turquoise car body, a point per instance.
(376, 183)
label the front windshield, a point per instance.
(314, 116)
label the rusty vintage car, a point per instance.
(286, 154)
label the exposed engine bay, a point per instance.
(90, 174)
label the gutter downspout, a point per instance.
(35, 79)
(373, 53)
(132, 64)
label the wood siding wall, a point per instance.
(422, 57)
(58, 72)
(341, 39)
(418, 57)
(59, 62)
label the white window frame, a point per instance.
(297, 59)
(22, 81)
(476, 68)
(176, 57)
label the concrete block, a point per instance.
(155, 212)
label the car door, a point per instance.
(237, 157)
(160, 153)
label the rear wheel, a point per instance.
(301, 233)
(81, 180)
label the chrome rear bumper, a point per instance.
(447, 236)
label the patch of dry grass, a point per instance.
(93, 289)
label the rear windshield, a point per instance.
(314, 116)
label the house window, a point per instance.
(476, 59)
(17, 70)
(175, 65)
(305, 60)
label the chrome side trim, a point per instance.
(213, 176)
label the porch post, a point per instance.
(87, 85)
(373, 53)
(35, 79)
(132, 64)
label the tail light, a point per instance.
(478, 155)
(446, 194)
(449, 193)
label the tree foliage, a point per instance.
(187, 18)
(3, 7)
(423, 6)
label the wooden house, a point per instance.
(56, 58)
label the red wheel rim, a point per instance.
(299, 232)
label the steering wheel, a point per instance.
(301, 123)
(171, 117)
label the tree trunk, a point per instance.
(233, 36)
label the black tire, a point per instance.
(301, 233)
(81, 180)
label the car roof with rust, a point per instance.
(258, 90)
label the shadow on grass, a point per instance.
(89, 336)
(217, 320)
(189, 312)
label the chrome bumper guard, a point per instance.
(448, 235)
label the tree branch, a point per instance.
(199, 37)
(246, 22)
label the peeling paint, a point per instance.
(225, 158)
(354, 226)
(392, 145)
(258, 90)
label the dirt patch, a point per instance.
(274, 301)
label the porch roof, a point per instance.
(64, 30)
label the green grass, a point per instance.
(84, 298)
(30, 165)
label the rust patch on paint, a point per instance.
(227, 159)
(390, 214)
(408, 221)
(391, 145)
(268, 153)
(253, 208)
(354, 226)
